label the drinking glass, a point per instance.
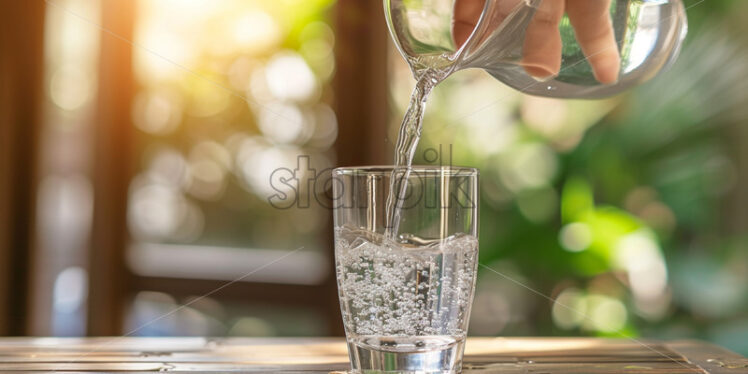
(405, 295)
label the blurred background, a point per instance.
(139, 140)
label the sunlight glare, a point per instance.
(290, 78)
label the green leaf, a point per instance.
(576, 200)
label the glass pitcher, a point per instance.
(533, 45)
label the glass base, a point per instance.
(417, 355)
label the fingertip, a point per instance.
(607, 68)
(461, 32)
(540, 73)
(466, 16)
(542, 46)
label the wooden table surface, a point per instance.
(325, 355)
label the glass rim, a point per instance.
(386, 170)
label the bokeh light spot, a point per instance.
(157, 113)
(70, 87)
(290, 78)
(529, 166)
(569, 308)
(575, 237)
(256, 31)
(605, 314)
(70, 290)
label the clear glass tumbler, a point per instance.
(406, 294)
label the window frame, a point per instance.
(21, 68)
(362, 116)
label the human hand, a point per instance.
(542, 48)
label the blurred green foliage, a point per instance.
(596, 203)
